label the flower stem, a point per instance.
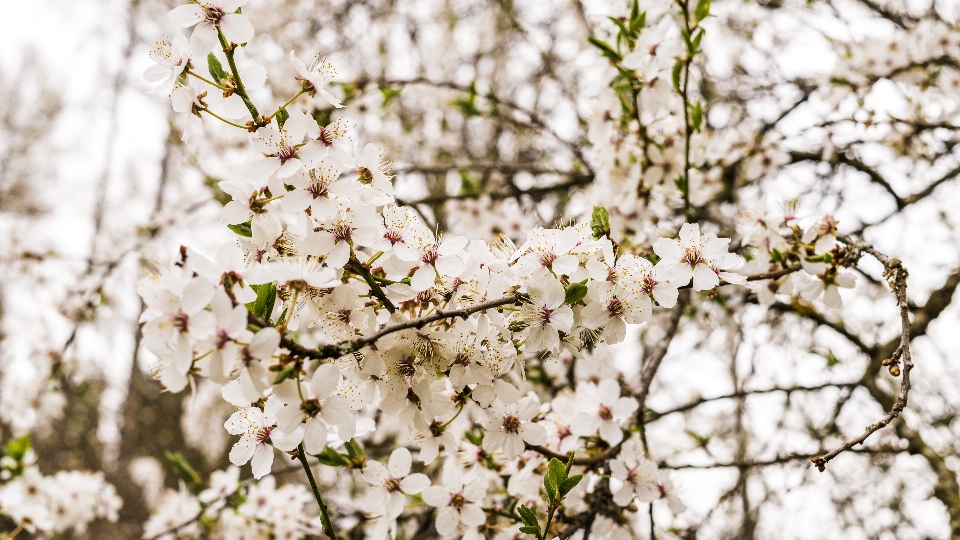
(224, 120)
(324, 514)
(289, 101)
(204, 79)
(241, 91)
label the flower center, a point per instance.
(511, 424)
(287, 153)
(181, 321)
(365, 176)
(605, 413)
(430, 257)
(213, 14)
(615, 307)
(547, 258)
(692, 256)
(457, 501)
(392, 485)
(393, 236)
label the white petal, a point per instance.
(400, 461)
(262, 461)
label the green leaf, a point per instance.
(467, 185)
(389, 94)
(213, 184)
(695, 45)
(332, 458)
(286, 373)
(216, 69)
(529, 518)
(185, 472)
(623, 29)
(600, 222)
(17, 448)
(677, 68)
(242, 229)
(702, 11)
(575, 292)
(530, 529)
(569, 484)
(776, 255)
(468, 105)
(556, 474)
(282, 116)
(696, 116)
(605, 49)
(354, 450)
(262, 307)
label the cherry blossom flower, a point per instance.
(612, 308)
(172, 60)
(208, 16)
(319, 408)
(546, 315)
(509, 426)
(604, 410)
(668, 491)
(637, 474)
(391, 483)
(283, 153)
(258, 436)
(317, 76)
(690, 257)
(373, 173)
(457, 501)
(319, 189)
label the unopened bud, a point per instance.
(895, 370)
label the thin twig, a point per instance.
(896, 276)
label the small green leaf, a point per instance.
(17, 448)
(529, 519)
(242, 229)
(605, 49)
(600, 222)
(468, 105)
(262, 307)
(332, 458)
(216, 69)
(776, 255)
(696, 116)
(185, 472)
(702, 11)
(556, 474)
(467, 185)
(389, 94)
(695, 44)
(677, 68)
(282, 116)
(354, 450)
(575, 292)
(569, 484)
(286, 373)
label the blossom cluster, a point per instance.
(234, 509)
(54, 504)
(340, 317)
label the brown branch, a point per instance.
(854, 163)
(655, 415)
(350, 346)
(896, 276)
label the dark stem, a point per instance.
(240, 90)
(324, 514)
